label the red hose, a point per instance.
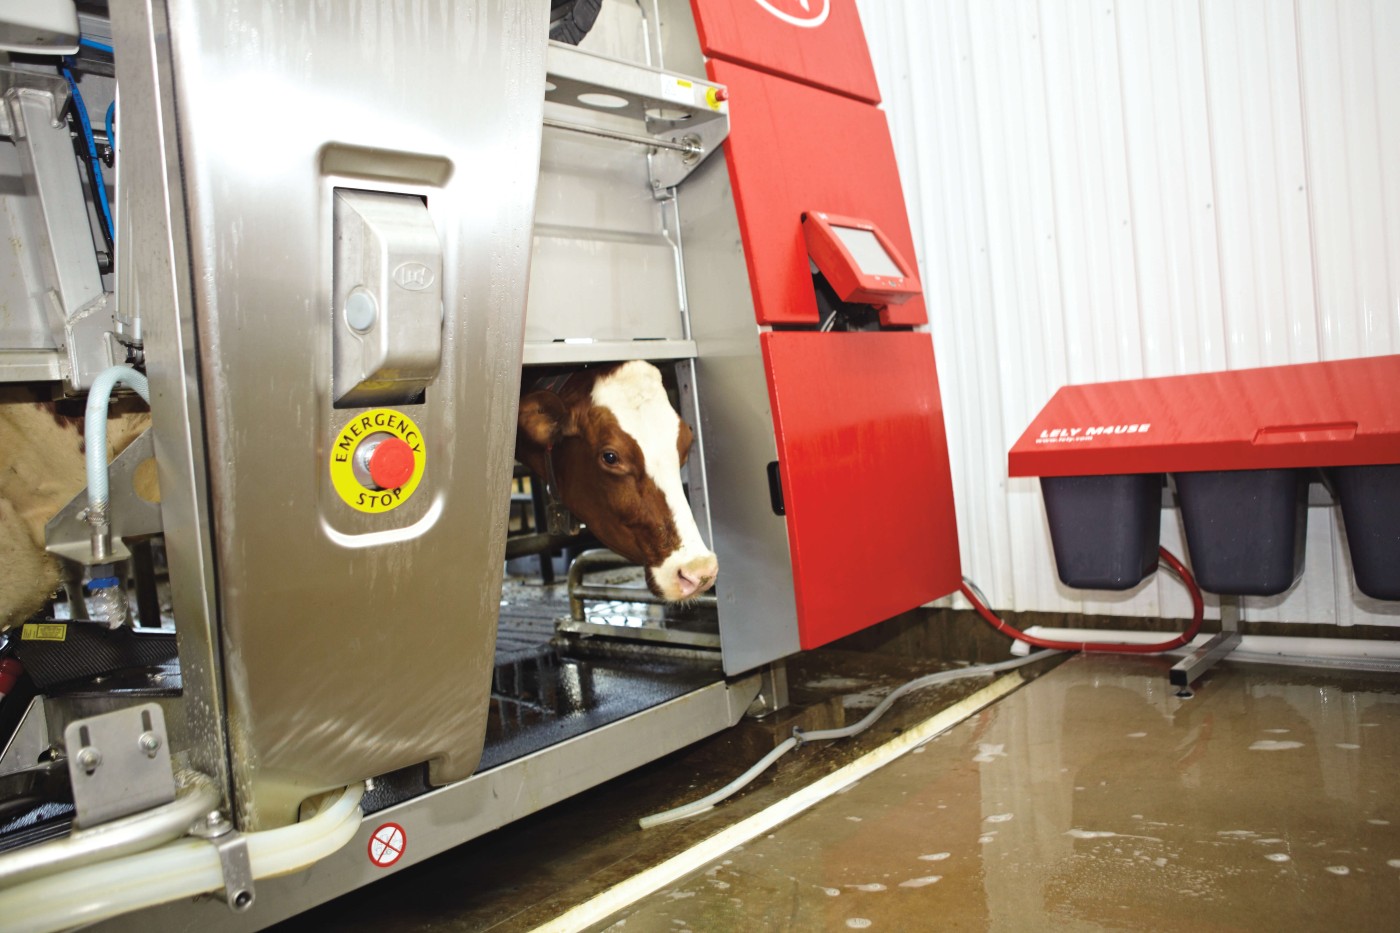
(1198, 616)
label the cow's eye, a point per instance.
(611, 458)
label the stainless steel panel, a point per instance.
(447, 817)
(388, 298)
(29, 365)
(155, 283)
(757, 606)
(354, 643)
(606, 250)
(605, 257)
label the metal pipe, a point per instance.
(690, 149)
(632, 594)
(525, 545)
(135, 833)
(603, 559)
(587, 562)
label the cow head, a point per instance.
(618, 447)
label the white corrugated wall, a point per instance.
(1107, 190)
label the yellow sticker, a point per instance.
(44, 631)
(375, 426)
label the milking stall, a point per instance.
(481, 465)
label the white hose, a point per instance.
(96, 440)
(181, 869)
(763, 764)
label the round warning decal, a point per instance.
(377, 460)
(387, 844)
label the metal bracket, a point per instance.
(16, 84)
(66, 285)
(70, 536)
(119, 763)
(234, 864)
(685, 118)
(31, 739)
(772, 691)
(1190, 668)
(669, 167)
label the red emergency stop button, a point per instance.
(391, 463)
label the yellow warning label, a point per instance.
(350, 471)
(44, 631)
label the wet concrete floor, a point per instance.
(1095, 799)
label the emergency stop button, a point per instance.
(390, 463)
(377, 460)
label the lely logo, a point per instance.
(809, 14)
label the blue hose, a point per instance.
(110, 122)
(101, 182)
(94, 44)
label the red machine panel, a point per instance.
(1341, 413)
(818, 42)
(866, 482)
(792, 149)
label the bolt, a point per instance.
(243, 900)
(150, 743)
(89, 758)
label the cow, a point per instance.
(617, 448)
(41, 469)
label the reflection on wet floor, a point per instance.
(1095, 799)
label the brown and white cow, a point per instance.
(618, 447)
(41, 469)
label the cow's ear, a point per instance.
(543, 418)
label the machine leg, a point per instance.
(772, 691)
(1189, 669)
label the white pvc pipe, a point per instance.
(96, 440)
(1282, 646)
(186, 868)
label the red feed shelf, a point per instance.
(1342, 413)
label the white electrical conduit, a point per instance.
(96, 423)
(763, 764)
(135, 833)
(1280, 649)
(177, 870)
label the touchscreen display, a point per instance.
(869, 255)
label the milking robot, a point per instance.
(299, 261)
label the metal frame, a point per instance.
(156, 282)
(1190, 668)
(50, 220)
(451, 815)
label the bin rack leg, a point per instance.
(1189, 669)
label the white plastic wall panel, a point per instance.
(1108, 190)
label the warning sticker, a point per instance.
(387, 844)
(44, 631)
(352, 472)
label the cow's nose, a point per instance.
(697, 576)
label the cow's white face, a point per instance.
(618, 449)
(637, 399)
